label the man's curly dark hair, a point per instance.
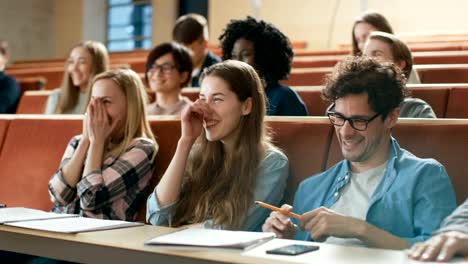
(273, 53)
(383, 83)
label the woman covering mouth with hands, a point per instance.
(224, 159)
(105, 170)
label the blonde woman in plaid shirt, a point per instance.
(105, 170)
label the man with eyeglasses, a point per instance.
(381, 195)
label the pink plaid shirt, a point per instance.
(114, 192)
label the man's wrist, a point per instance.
(362, 229)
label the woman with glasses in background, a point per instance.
(169, 67)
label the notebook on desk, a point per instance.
(212, 238)
(53, 222)
(74, 224)
(20, 214)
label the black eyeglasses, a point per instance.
(165, 68)
(357, 123)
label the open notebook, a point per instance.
(19, 214)
(197, 237)
(62, 223)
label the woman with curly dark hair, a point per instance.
(264, 47)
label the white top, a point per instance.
(413, 78)
(354, 198)
(53, 100)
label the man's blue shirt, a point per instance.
(411, 200)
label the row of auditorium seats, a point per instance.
(447, 100)
(31, 83)
(309, 142)
(52, 75)
(434, 57)
(138, 64)
(417, 43)
(428, 74)
(437, 73)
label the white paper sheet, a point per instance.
(16, 214)
(74, 225)
(211, 238)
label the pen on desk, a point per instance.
(274, 208)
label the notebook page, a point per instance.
(74, 225)
(16, 214)
(210, 238)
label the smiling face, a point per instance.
(114, 101)
(226, 108)
(367, 148)
(361, 32)
(378, 49)
(244, 51)
(163, 77)
(79, 67)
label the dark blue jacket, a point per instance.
(283, 101)
(210, 59)
(9, 94)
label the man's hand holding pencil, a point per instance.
(279, 221)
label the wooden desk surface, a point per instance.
(124, 245)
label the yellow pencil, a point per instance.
(274, 208)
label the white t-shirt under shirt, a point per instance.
(354, 199)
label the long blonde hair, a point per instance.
(220, 185)
(69, 93)
(136, 123)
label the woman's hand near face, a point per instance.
(85, 134)
(192, 120)
(168, 189)
(99, 126)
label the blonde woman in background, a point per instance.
(86, 60)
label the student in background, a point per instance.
(105, 170)
(191, 30)
(449, 240)
(388, 48)
(364, 25)
(264, 47)
(370, 21)
(224, 159)
(86, 60)
(9, 89)
(380, 195)
(168, 70)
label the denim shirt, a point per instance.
(410, 201)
